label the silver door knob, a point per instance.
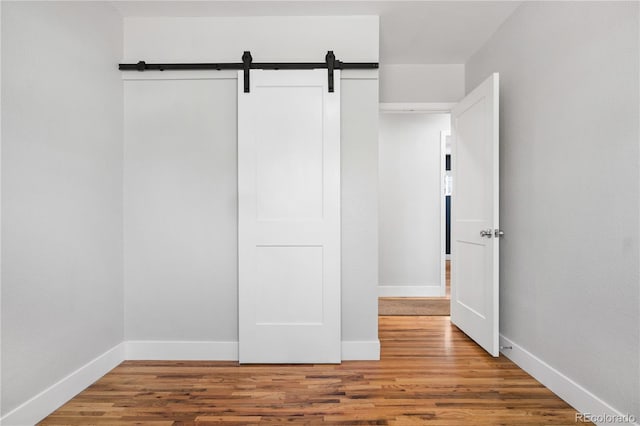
(486, 233)
(498, 233)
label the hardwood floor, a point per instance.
(447, 277)
(430, 373)
(419, 305)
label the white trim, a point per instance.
(56, 395)
(228, 351)
(0, 214)
(422, 290)
(416, 107)
(368, 350)
(50, 399)
(180, 75)
(47, 401)
(359, 75)
(225, 75)
(181, 351)
(574, 394)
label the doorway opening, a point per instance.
(414, 205)
(447, 190)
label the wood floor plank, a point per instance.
(430, 373)
(420, 306)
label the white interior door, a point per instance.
(474, 206)
(289, 217)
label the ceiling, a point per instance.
(411, 32)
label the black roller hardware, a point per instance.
(247, 64)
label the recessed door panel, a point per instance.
(289, 155)
(291, 285)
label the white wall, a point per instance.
(359, 204)
(570, 189)
(180, 203)
(270, 39)
(421, 83)
(62, 290)
(180, 208)
(410, 202)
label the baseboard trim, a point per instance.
(47, 401)
(368, 350)
(52, 398)
(226, 351)
(181, 351)
(56, 395)
(574, 394)
(433, 290)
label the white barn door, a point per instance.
(289, 217)
(474, 206)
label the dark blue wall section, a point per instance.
(448, 210)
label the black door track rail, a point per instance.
(247, 64)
